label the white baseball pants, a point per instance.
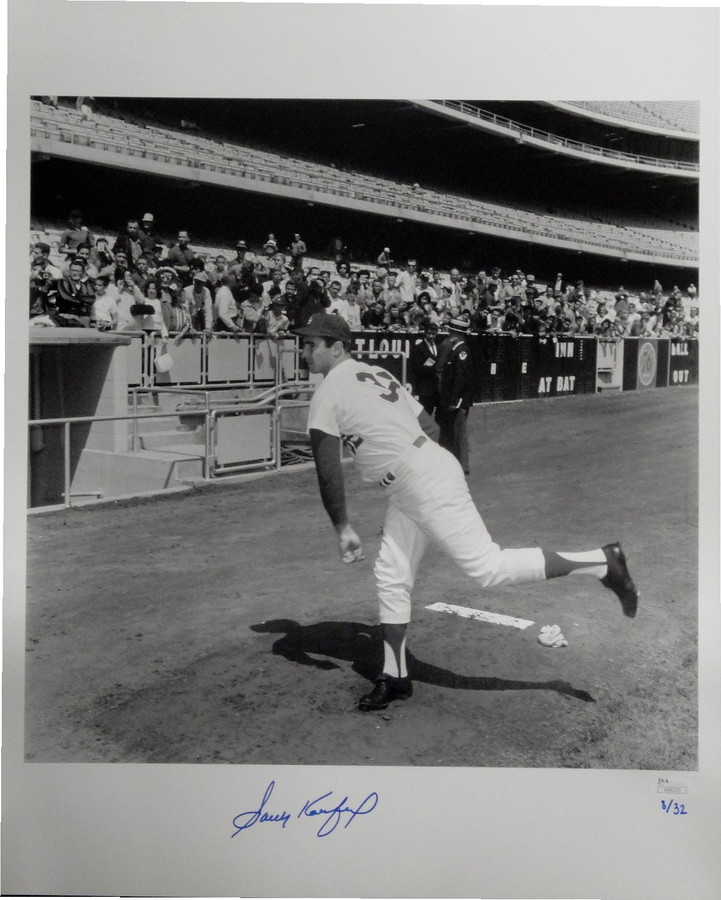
(428, 500)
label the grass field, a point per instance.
(221, 626)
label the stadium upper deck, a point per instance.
(668, 117)
(130, 140)
(543, 139)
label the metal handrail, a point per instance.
(546, 136)
(68, 421)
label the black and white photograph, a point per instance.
(365, 462)
(220, 626)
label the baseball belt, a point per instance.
(389, 477)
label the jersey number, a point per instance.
(393, 387)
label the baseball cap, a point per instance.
(322, 324)
(242, 244)
(200, 276)
(459, 325)
(148, 217)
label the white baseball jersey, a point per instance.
(374, 415)
(428, 498)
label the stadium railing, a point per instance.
(520, 131)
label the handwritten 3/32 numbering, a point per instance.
(673, 808)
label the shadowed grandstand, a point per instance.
(381, 172)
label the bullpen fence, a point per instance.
(213, 360)
(506, 367)
(233, 404)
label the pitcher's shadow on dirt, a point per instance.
(361, 645)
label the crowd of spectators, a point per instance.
(138, 283)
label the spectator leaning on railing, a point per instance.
(199, 302)
(253, 310)
(277, 322)
(353, 312)
(374, 316)
(176, 314)
(152, 322)
(226, 309)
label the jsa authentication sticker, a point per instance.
(672, 796)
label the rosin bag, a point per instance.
(164, 362)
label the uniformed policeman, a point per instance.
(455, 387)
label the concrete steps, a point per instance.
(106, 474)
(164, 440)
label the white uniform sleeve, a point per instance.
(322, 410)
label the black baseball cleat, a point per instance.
(619, 580)
(387, 689)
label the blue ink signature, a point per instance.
(334, 814)
(311, 808)
(259, 815)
